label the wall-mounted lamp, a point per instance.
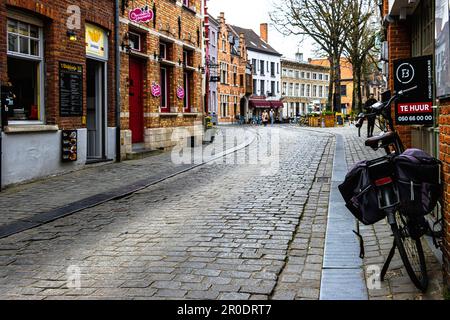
(72, 35)
(126, 43)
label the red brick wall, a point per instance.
(444, 147)
(59, 48)
(240, 62)
(399, 40)
(167, 13)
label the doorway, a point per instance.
(136, 100)
(95, 117)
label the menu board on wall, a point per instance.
(442, 48)
(70, 89)
(69, 145)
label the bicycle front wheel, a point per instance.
(411, 252)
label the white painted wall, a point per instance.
(267, 77)
(28, 156)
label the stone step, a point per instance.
(138, 154)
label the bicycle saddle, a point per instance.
(385, 139)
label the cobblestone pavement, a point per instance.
(220, 231)
(378, 238)
(22, 202)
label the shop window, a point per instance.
(25, 71)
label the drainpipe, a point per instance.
(117, 77)
(1, 136)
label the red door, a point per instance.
(136, 101)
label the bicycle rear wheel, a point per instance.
(411, 252)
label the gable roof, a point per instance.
(254, 42)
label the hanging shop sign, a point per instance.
(180, 93)
(70, 90)
(96, 42)
(141, 15)
(416, 107)
(69, 145)
(156, 90)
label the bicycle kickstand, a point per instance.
(388, 261)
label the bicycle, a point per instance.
(407, 229)
(362, 117)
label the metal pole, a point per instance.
(117, 77)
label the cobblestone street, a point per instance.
(218, 231)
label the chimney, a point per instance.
(222, 17)
(264, 32)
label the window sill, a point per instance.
(191, 10)
(192, 114)
(168, 114)
(11, 129)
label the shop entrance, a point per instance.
(136, 101)
(95, 118)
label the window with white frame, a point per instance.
(320, 76)
(314, 76)
(25, 70)
(224, 105)
(302, 90)
(314, 92)
(308, 90)
(291, 90)
(297, 89)
(223, 73)
(135, 41)
(321, 91)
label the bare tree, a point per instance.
(360, 44)
(327, 23)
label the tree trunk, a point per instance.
(337, 100)
(330, 86)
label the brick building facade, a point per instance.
(57, 61)
(161, 73)
(232, 61)
(410, 32)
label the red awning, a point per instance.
(259, 103)
(276, 104)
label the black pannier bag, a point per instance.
(360, 195)
(417, 177)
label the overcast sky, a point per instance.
(249, 14)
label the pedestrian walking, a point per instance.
(272, 117)
(265, 118)
(371, 118)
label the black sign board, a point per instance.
(417, 106)
(69, 145)
(70, 89)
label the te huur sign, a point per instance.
(416, 107)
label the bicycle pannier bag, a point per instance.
(360, 195)
(417, 175)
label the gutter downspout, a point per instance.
(117, 78)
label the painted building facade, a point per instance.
(213, 76)
(346, 82)
(162, 73)
(266, 72)
(304, 87)
(57, 65)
